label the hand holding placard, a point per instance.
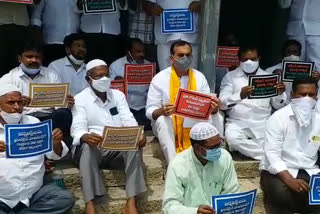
(2, 146)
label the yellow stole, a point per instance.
(181, 134)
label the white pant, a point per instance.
(238, 140)
(163, 129)
(163, 51)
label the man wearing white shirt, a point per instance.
(291, 153)
(137, 94)
(96, 107)
(244, 129)
(31, 70)
(21, 180)
(72, 68)
(304, 26)
(171, 130)
(58, 19)
(103, 33)
(164, 41)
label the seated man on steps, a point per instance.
(246, 118)
(291, 152)
(96, 107)
(21, 180)
(196, 174)
(172, 132)
(32, 71)
(137, 94)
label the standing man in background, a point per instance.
(164, 41)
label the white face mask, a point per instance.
(292, 58)
(11, 118)
(249, 66)
(31, 71)
(303, 109)
(75, 61)
(102, 84)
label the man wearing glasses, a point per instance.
(202, 171)
(171, 130)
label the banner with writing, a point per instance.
(121, 138)
(28, 140)
(19, 1)
(49, 95)
(240, 203)
(177, 21)
(264, 86)
(193, 105)
(227, 57)
(314, 193)
(139, 74)
(120, 85)
(99, 6)
(296, 69)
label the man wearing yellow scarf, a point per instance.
(171, 130)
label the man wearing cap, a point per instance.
(95, 107)
(198, 173)
(21, 180)
(171, 130)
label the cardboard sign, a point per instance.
(99, 6)
(240, 203)
(120, 85)
(227, 57)
(121, 138)
(28, 140)
(193, 105)
(49, 95)
(314, 193)
(293, 70)
(264, 86)
(18, 1)
(177, 21)
(139, 74)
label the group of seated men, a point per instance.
(286, 142)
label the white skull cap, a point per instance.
(203, 131)
(7, 88)
(95, 63)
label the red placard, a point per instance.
(19, 1)
(227, 57)
(119, 85)
(139, 74)
(193, 105)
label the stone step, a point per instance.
(151, 202)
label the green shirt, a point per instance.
(190, 184)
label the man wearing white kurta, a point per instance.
(246, 118)
(304, 26)
(161, 97)
(164, 41)
(21, 180)
(291, 152)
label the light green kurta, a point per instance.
(189, 184)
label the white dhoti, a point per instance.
(243, 141)
(163, 53)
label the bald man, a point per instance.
(21, 180)
(95, 107)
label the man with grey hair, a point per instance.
(95, 107)
(21, 180)
(196, 174)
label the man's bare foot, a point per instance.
(90, 208)
(130, 207)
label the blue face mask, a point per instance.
(213, 154)
(31, 71)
